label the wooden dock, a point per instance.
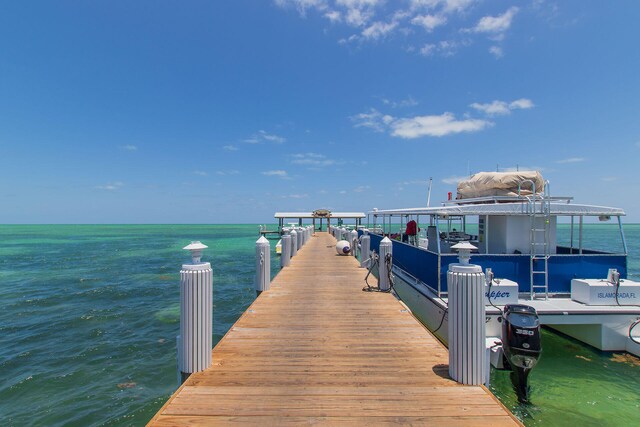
(316, 349)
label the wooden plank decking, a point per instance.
(315, 349)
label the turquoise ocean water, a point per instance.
(90, 314)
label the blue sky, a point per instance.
(223, 112)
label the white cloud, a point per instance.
(298, 196)
(457, 5)
(361, 188)
(445, 48)
(342, 192)
(112, 186)
(130, 147)
(375, 20)
(279, 173)
(571, 160)
(448, 47)
(501, 108)
(312, 159)
(496, 51)
(373, 120)
(358, 13)
(427, 49)
(522, 104)
(418, 126)
(230, 148)
(200, 173)
(409, 102)
(429, 22)
(447, 6)
(609, 178)
(227, 172)
(262, 136)
(496, 24)
(302, 5)
(638, 144)
(454, 179)
(444, 124)
(271, 137)
(333, 16)
(492, 109)
(357, 17)
(378, 30)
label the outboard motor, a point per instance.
(521, 344)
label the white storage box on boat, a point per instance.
(601, 292)
(502, 291)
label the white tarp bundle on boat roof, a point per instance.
(485, 184)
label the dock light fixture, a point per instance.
(464, 252)
(196, 251)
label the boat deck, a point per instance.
(316, 349)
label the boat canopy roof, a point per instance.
(511, 208)
(322, 215)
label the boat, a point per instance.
(533, 252)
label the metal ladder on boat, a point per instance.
(539, 211)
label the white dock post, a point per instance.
(365, 247)
(285, 256)
(263, 265)
(467, 334)
(384, 268)
(196, 306)
(300, 236)
(354, 243)
(294, 242)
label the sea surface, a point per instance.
(89, 316)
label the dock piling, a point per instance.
(467, 332)
(300, 236)
(365, 248)
(354, 242)
(294, 242)
(263, 265)
(386, 253)
(285, 256)
(196, 306)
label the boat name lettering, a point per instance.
(497, 294)
(613, 294)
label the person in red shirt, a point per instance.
(411, 232)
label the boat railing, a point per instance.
(502, 199)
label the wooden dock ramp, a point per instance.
(316, 349)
